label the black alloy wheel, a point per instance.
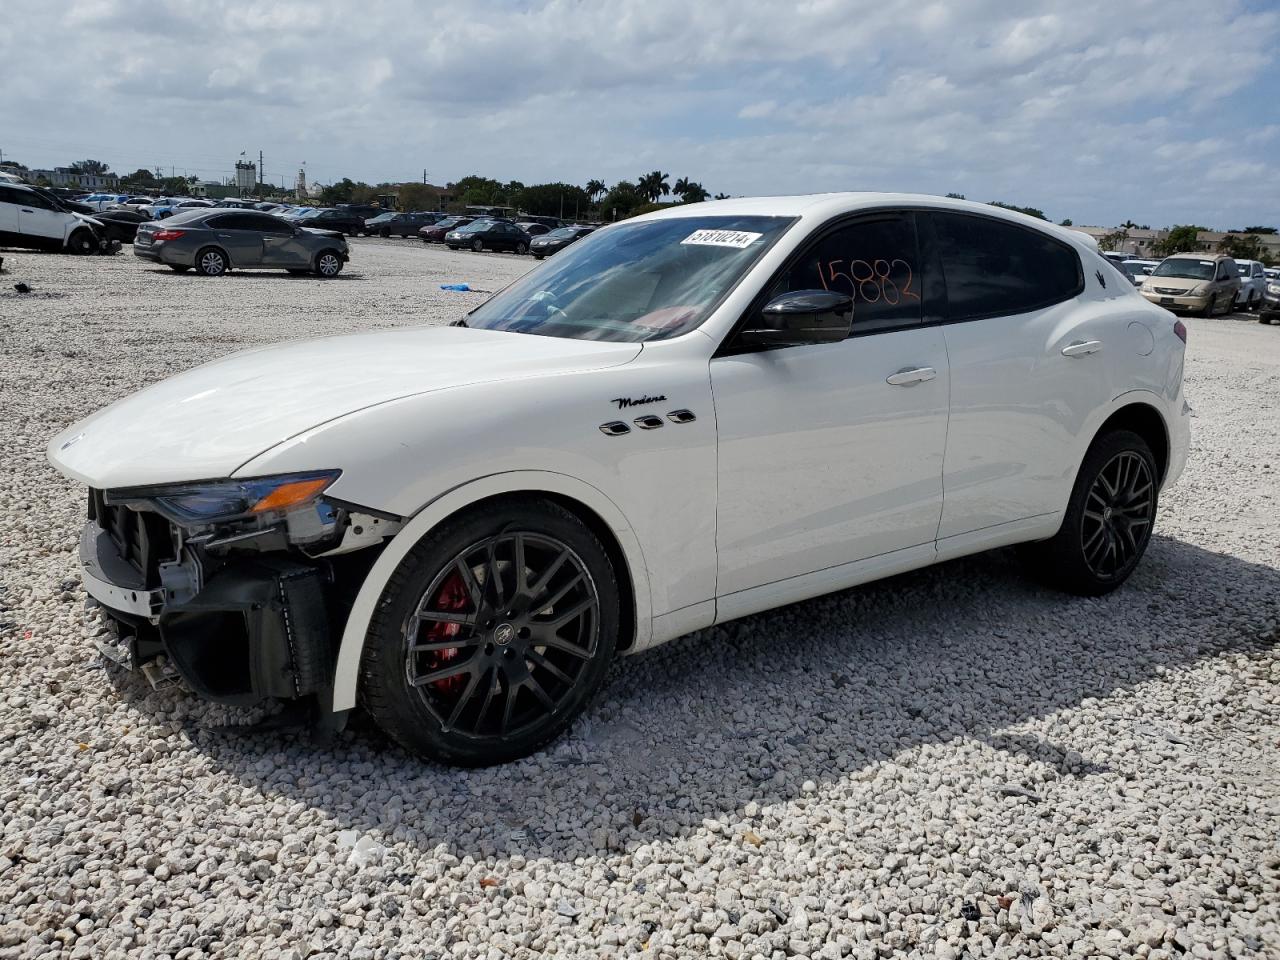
(522, 248)
(82, 242)
(496, 631)
(503, 633)
(477, 245)
(1118, 514)
(1108, 521)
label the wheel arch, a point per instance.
(195, 259)
(601, 515)
(1147, 422)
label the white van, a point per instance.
(32, 218)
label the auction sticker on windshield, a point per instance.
(738, 239)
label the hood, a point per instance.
(86, 219)
(321, 232)
(207, 422)
(1175, 283)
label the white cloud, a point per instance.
(1072, 109)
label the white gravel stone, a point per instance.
(952, 763)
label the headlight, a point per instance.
(220, 500)
(1273, 288)
(1147, 286)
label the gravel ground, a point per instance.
(950, 763)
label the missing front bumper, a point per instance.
(258, 627)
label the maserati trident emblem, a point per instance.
(504, 634)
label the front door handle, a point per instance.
(910, 375)
(1082, 348)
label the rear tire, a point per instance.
(1108, 521)
(522, 248)
(211, 262)
(500, 684)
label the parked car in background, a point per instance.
(533, 228)
(434, 233)
(236, 203)
(550, 222)
(556, 240)
(121, 223)
(399, 224)
(336, 218)
(30, 217)
(688, 418)
(101, 201)
(488, 235)
(295, 213)
(217, 240)
(1118, 256)
(1137, 270)
(364, 211)
(1203, 283)
(1253, 284)
(1270, 309)
(1272, 273)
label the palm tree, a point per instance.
(653, 185)
(595, 188)
(690, 191)
(721, 196)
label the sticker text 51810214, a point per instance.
(870, 281)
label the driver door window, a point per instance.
(874, 261)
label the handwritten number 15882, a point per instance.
(871, 280)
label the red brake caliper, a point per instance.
(452, 597)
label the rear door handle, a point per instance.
(1081, 348)
(910, 375)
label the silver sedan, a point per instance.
(216, 240)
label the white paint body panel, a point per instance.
(804, 471)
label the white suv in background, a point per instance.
(30, 218)
(1253, 284)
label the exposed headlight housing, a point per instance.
(217, 501)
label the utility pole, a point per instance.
(261, 177)
(424, 176)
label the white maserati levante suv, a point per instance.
(681, 419)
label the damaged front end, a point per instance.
(243, 585)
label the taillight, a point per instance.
(168, 234)
(1180, 329)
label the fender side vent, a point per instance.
(681, 416)
(615, 428)
(649, 421)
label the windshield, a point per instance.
(634, 281)
(1243, 269)
(381, 217)
(1185, 268)
(476, 226)
(564, 233)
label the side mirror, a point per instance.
(801, 317)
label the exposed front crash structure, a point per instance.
(243, 585)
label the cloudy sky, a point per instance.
(1161, 111)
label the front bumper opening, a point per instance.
(238, 628)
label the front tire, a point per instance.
(211, 262)
(1108, 521)
(82, 242)
(493, 634)
(328, 264)
(477, 245)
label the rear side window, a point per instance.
(993, 268)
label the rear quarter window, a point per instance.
(995, 268)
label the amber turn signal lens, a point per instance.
(291, 494)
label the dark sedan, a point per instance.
(549, 243)
(215, 240)
(121, 223)
(399, 224)
(339, 219)
(489, 235)
(435, 232)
